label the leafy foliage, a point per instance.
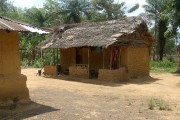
(110, 9)
(135, 7)
(155, 10)
(164, 66)
(37, 16)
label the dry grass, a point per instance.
(158, 103)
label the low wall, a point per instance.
(13, 89)
(79, 70)
(113, 75)
(50, 70)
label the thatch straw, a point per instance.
(130, 31)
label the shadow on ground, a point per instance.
(24, 111)
(144, 80)
(177, 73)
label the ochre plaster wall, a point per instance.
(79, 71)
(96, 60)
(107, 56)
(50, 70)
(138, 61)
(12, 83)
(113, 75)
(123, 56)
(135, 60)
(67, 57)
(9, 53)
(13, 87)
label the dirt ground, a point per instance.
(69, 98)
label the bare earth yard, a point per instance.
(70, 98)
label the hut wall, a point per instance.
(107, 56)
(84, 55)
(79, 71)
(113, 75)
(13, 87)
(12, 83)
(9, 54)
(123, 56)
(138, 62)
(67, 57)
(50, 70)
(96, 61)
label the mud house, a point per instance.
(12, 82)
(110, 50)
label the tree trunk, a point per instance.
(33, 53)
(162, 27)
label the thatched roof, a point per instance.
(130, 31)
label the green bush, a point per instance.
(24, 63)
(163, 66)
(38, 63)
(171, 59)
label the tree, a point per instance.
(37, 16)
(108, 9)
(3, 7)
(173, 10)
(74, 10)
(170, 47)
(155, 11)
(8, 10)
(53, 8)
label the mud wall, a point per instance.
(9, 52)
(12, 83)
(79, 71)
(67, 57)
(113, 75)
(13, 89)
(123, 56)
(135, 60)
(50, 70)
(138, 61)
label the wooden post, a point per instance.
(119, 57)
(54, 56)
(111, 60)
(57, 62)
(103, 57)
(71, 56)
(42, 56)
(88, 63)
